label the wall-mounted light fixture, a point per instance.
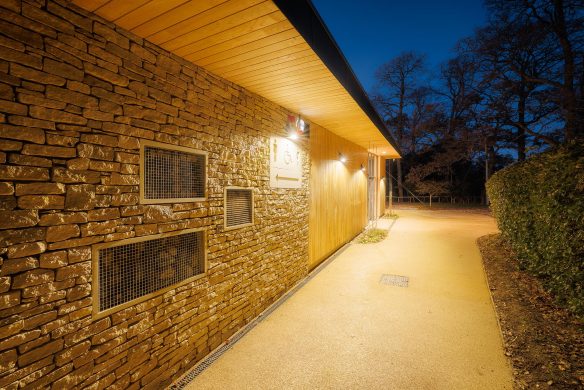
(362, 167)
(300, 124)
(342, 158)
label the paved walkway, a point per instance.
(345, 330)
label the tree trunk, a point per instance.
(569, 100)
(521, 126)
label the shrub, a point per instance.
(539, 207)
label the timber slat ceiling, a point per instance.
(251, 43)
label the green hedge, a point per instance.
(539, 207)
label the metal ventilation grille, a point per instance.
(173, 174)
(238, 207)
(134, 270)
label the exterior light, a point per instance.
(342, 158)
(300, 124)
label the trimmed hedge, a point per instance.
(539, 207)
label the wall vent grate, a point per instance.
(172, 174)
(135, 268)
(238, 207)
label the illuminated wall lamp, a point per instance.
(342, 158)
(362, 168)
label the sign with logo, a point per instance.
(285, 163)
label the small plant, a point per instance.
(372, 236)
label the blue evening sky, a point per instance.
(371, 32)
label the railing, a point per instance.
(429, 200)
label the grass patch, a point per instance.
(372, 236)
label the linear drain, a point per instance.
(216, 354)
(394, 280)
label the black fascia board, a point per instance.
(305, 18)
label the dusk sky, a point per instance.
(371, 32)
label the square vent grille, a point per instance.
(238, 207)
(172, 174)
(137, 268)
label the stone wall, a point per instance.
(77, 96)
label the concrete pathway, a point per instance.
(346, 330)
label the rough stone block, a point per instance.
(157, 214)
(7, 300)
(49, 151)
(128, 158)
(69, 176)
(62, 218)
(78, 164)
(80, 197)
(104, 166)
(56, 116)
(25, 121)
(62, 232)
(61, 140)
(10, 172)
(71, 97)
(122, 180)
(4, 285)
(41, 202)
(95, 152)
(72, 352)
(106, 75)
(26, 249)
(62, 69)
(14, 266)
(22, 133)
(10, 107)
(31, 161)
(40, 189)
(6, 189)
(104, 214)
(37, 76)
(32, 278)
(77, 255)
(41, 352)
(96, 228)
(74, 242)
(53, 259)
(10, 146)
(18, 219)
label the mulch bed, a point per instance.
(544, 343)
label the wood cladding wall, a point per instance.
(338, 193)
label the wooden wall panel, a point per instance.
(338, 193)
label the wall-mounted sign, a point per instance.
(285, 163)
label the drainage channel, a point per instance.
(216, 354)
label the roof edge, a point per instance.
(308, 22)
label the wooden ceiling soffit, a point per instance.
(279, 49)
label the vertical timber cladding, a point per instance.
(338, 193)
(79, 99)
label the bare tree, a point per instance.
(561, 22)
(396, 79)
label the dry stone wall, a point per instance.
(77, 96)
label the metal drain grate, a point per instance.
(394, 280)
